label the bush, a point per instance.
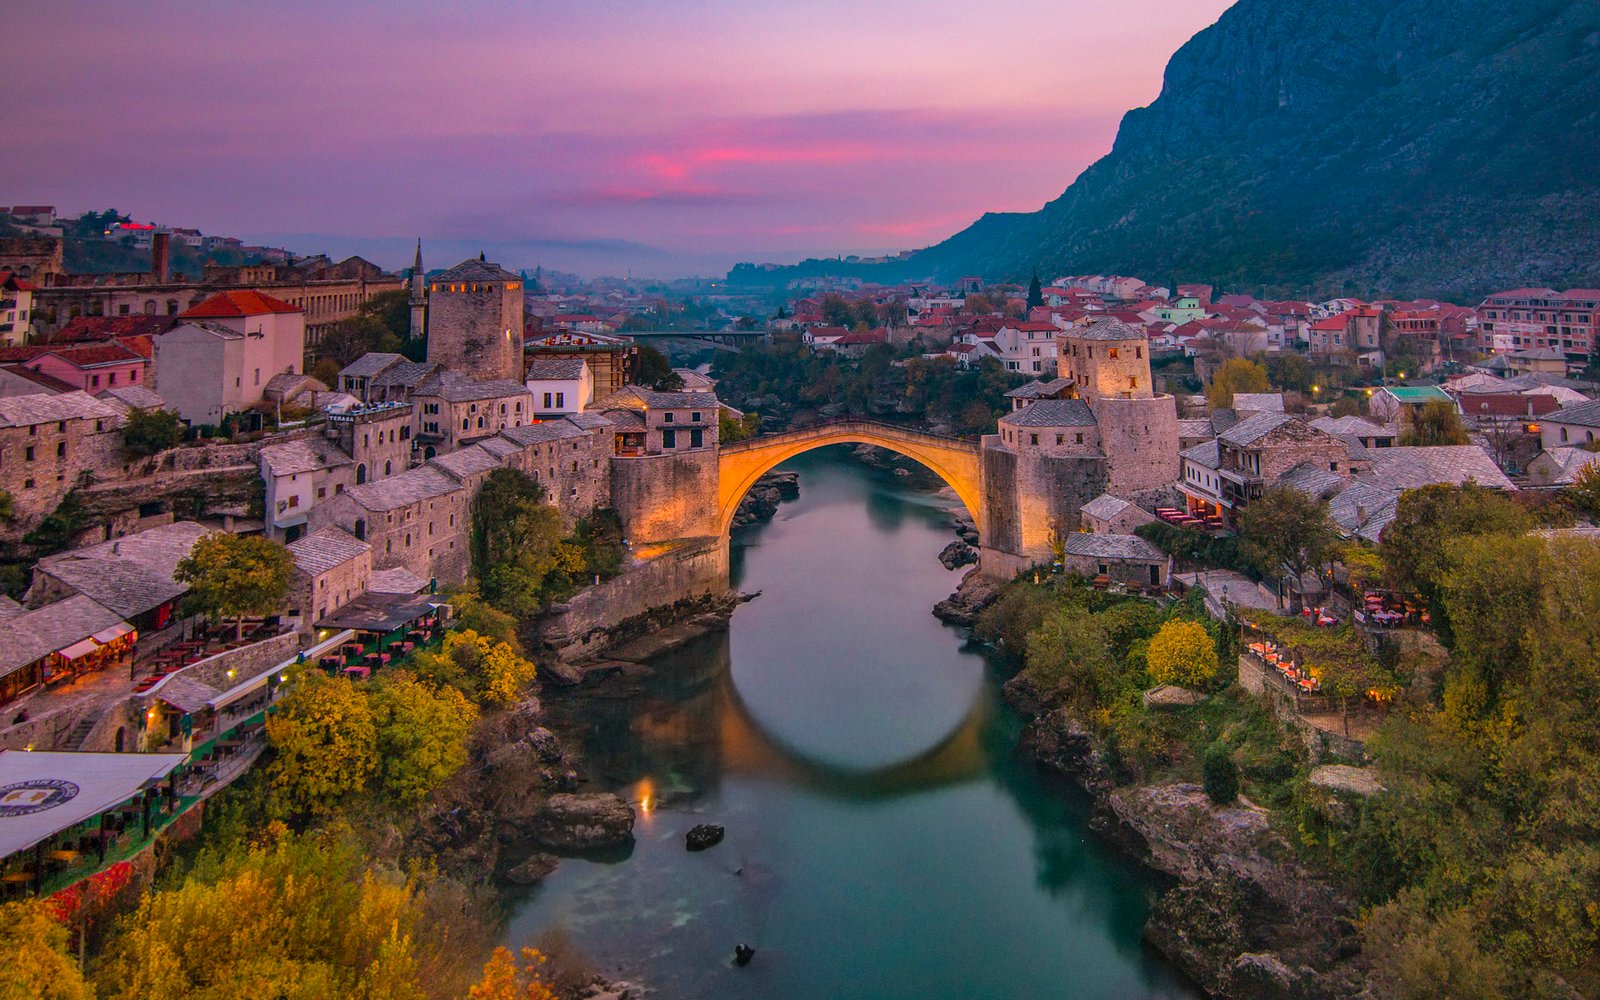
(1182, 653)
(1221, 776)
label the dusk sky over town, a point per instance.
(712, 130)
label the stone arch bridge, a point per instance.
(955, 460)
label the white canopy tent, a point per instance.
(43, 793)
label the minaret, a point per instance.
(419, 301)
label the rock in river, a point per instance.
(958, 553)
(703, 836)
(573, 822)
(533, 870)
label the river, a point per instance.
(884, 837)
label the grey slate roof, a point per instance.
(370, 364)
(475, 269)
(1411, 468)
(1313, 480)
(543, 369)
(1580, 414)
(129, 575)
(1106, 329)
(1051, 413)
(1255, 427)
(307, 454)
(588, 421)
(1258, 402)
(322, 550)
(546, 432)
(36, 634)
(397, 580)
(454, 387)
(653, 400)
(1354, 426)
(134, 397)
(186, 693)
(1112, 547)
(467, 462)
(409, 487)
(1038, 390)
(45, 407)
(404, 374)
(1206, 453)
(1196, 428)
(1363, 510)
(1105, 506)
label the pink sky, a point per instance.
(708, 128)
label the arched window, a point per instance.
(361, 473)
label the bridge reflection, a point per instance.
(677, 733)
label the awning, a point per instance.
(79, 649)
(47, 792)
(252, 684)
(112, 634)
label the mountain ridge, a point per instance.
(1419, 147)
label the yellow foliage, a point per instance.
(33, 952)
(1182, 653)
(326, 742)
(505, 675)
(503, 980)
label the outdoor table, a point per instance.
(358, 673)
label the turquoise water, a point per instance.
(884, 839)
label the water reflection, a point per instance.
(884, 838)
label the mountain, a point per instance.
(1408, 147)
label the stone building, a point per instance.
(1220, 478)
(452, 410)
(384, 378)
(1108, 362)
(49, 443)
(417, 519)
(220, 359)
(1038, 472)
(610, 360)
(1125, 559)
(664, 462)
(300, 474)
(1110, 515)
(332, 568)
(475, 316)
(570, 458)
(378, 438)
(32, 258)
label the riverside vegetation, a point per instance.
(1474, 870)
(351, 861)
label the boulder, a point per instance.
(958, 553)
(1171, 696)
(533, 870)
(1346, 780)
(574, 822)
(962, 607)
(703, 836)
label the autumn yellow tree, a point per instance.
(1236, 375)
(1182, 653)
(504, 979)
(421, 734)
(493, 672)
(325, 742)
(505, 675)
(33, 951)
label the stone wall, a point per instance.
(1140, 438)
(477, 332)
(245, 662)
(39, 468)
(662, 498)
(696, 567)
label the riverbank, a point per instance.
(1242, 915)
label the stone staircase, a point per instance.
(81, 731)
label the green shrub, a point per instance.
(1221, 775)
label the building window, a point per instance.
(695, 416)
(1033, 439)
(1111, 352)
(258, 376)
(561, 401)
(94, 381)
(696, 440)
(28, 455)
(61, 449)
(547, 401)
(1079, 439)
(669, 438)
(1061, 439)
(667, 418)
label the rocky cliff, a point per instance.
(1444, 147)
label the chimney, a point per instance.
(160, 257)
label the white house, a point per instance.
(559, 386)
(220, 359)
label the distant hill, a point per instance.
(1409, 147)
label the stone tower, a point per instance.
(1108, 363)
(475, 320)
(419, 296)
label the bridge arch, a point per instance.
(954, 460)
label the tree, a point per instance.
(1182, 653)
(393, 310)
(503, 979)
(1035, 293)
(1585, 491)
(1492, 594)
(33, 946)
(730, 430)
(1290, 371)
(1415, 544)
(354, 336)
(421, 734)
(148, 431)
(978, 304)
(1437, 422)
(652, 370)
(236, 576)
(494, 673)
(325, 742)
(1285, 529)
(505, 675)
(1236, 375)
(518, 546)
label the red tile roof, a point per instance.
(40, 378)
(86, 329)
(246, 302)
(91, 355)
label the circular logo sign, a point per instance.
(21, 798)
